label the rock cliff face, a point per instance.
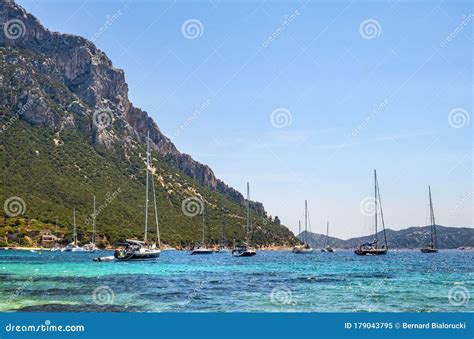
(100, 95)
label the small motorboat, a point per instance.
(104, 259)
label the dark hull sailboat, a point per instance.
(372, 248)
(327, 248)
(429, 250)
(200, 249)
(432, 247)
(245, 250)
(361, 250)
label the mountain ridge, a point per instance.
(90, 74)
(411, 237)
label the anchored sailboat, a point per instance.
(201, 248)
(373, 248)
(245, 250)
(132, 249)
(223, 248)
(433, 246)
(92, 247)
(305, 248)
(73, 247)
(327, 248)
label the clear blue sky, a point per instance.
(329, 77)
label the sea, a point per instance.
(271, 281)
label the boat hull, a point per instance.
(243, 252)
(429, 250)
(303, 251)
(137, 256)
(327, 250)
(201, 251)
(375, 251)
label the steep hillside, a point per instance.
(68, 132)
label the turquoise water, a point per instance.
(269, 282)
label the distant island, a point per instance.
(409, 238)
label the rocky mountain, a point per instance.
(97, 87)
(412, 237)
(69, 130)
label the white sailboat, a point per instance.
(73, 247)
(245, 250)
(92, 247)
(133, 249)
(305, 248)
(201, 248)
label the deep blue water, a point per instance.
(405, 281)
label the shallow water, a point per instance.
(405, 281)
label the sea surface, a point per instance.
(401, 281)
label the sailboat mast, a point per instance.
(376, 207)
(158, 239)
(248, 213)
(146, 194)
(74, 225)
(203, 222)
(306, 221)
(299, 227)
(93, 223)
(327, 233)
(434, 239)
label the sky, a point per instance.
(304, 99)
